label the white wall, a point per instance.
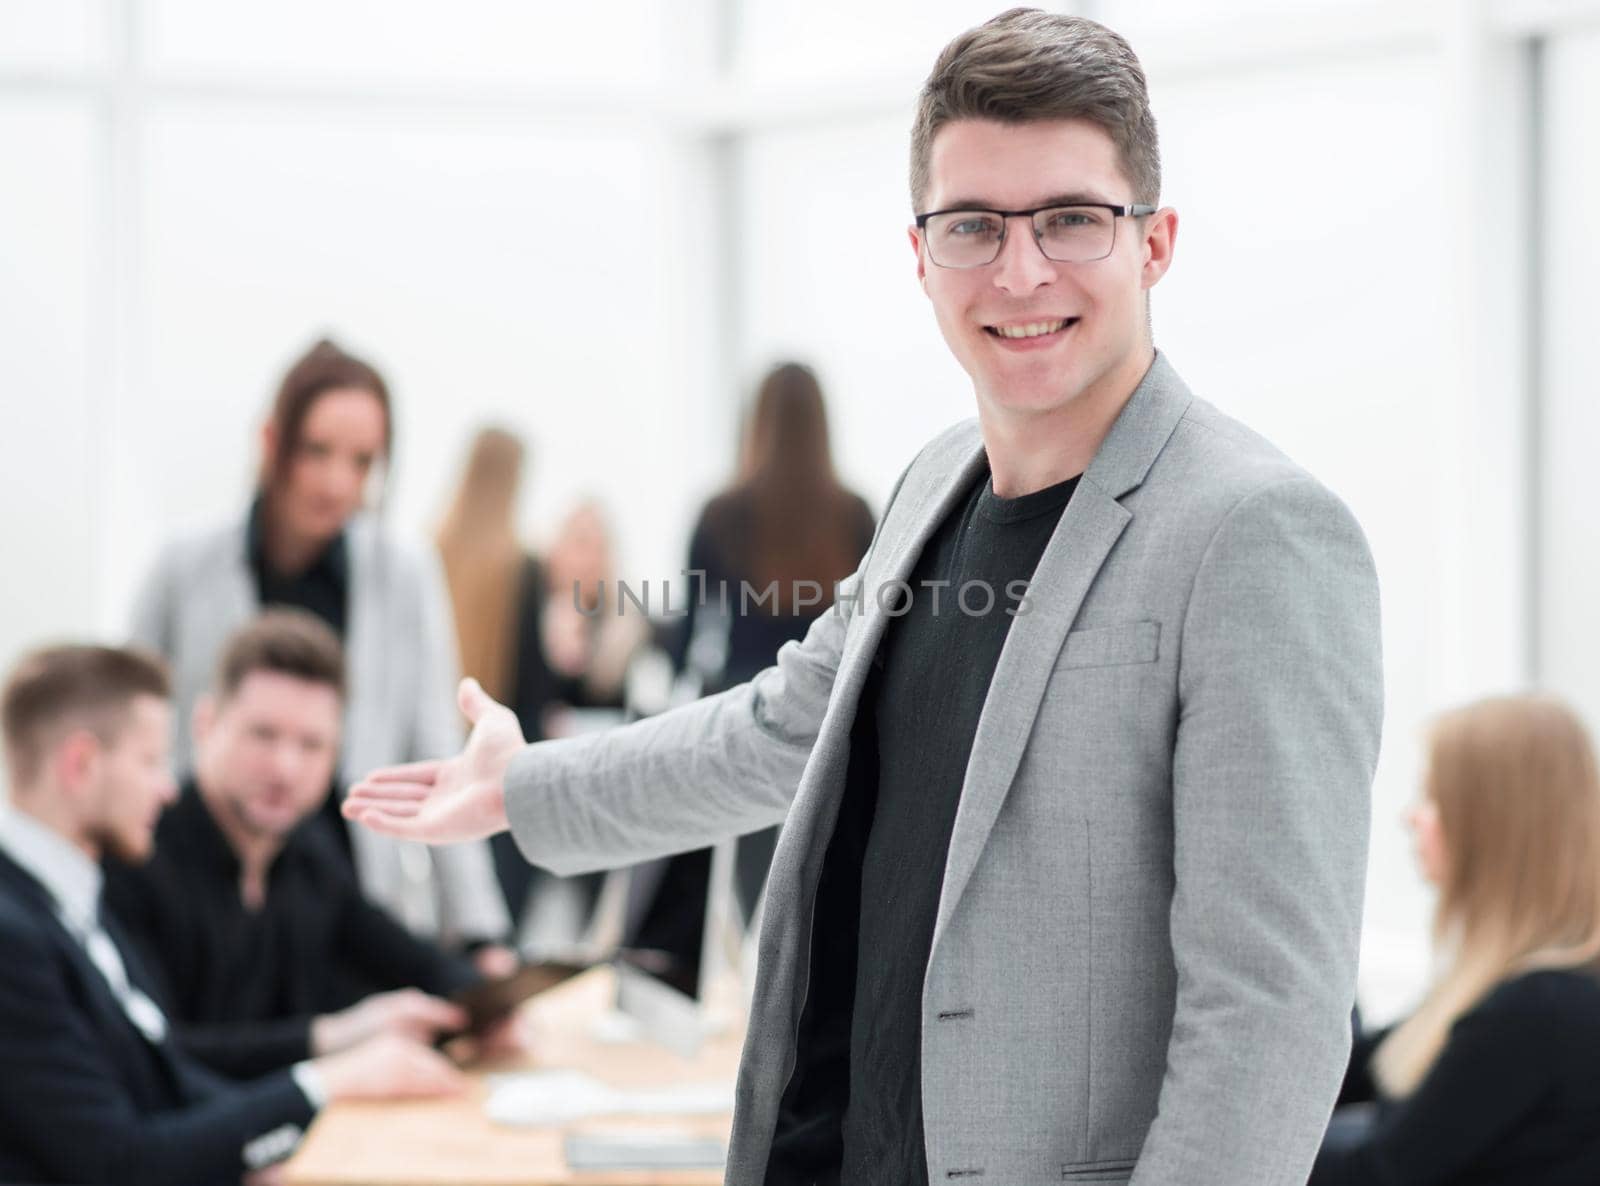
(1569, 577)
(51, 525)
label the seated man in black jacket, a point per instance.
(247, 912)
(94, 1089)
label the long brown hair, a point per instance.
(323, 368)
(1515, 784)
(482, 559)
(791, 518)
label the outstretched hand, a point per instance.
(451, 799)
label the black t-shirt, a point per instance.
(322, 589)
(852, 1112)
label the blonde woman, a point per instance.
(531, 632)
(1493, 1079)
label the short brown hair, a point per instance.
(87, 686)
(286, 641)
(323, 368)
(1027, 65)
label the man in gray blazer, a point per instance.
(1070, 878)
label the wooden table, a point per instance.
(439, 1142)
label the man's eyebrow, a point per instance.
(1073, 198)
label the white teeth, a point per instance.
(1033, 330)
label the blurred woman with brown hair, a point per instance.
(307, 541)
(1492, 1079)
(786, 524)
(770, 549)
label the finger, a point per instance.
(496, 961)
(361, 811)
(438, 1013)
(423, 772)
(391, 810)
(389, 792)
(441, 1070)
(386, 822)
(472, 699)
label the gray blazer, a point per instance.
(401, 666)
(1144, 958)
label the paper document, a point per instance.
(561, 1097)
(637, 1150)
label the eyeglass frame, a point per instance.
(1133, 211)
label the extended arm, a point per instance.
(719, 767)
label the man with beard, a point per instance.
(259, 931)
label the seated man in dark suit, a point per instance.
(248, 914)
(94, 1090)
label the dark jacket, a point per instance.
(84, 1096)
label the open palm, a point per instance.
(451, 799)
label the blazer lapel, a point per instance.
(122, 1040)
(1089, 528)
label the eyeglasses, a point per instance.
(1067, 234)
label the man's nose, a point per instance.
(1021, 265)
(286, 761)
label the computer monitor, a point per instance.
(675, 942)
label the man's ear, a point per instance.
(202, 720)
(1160, 238)
(916, 247)
(77, 761)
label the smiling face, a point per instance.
(266, 754)
(1038, 336)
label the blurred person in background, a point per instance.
(307, 542)
(1492, 1079)
(785, 524)
(247, 913)
(531, 632)
(586, 634)
(95, 1089)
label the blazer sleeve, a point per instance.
(720, 767)
(1280, 692)
(471, 906)
(247, 1049)
(61, 1102)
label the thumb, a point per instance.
(472, 699)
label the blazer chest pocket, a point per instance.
(1111, 646)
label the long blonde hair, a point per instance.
(482, 559)
(1515, 784)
